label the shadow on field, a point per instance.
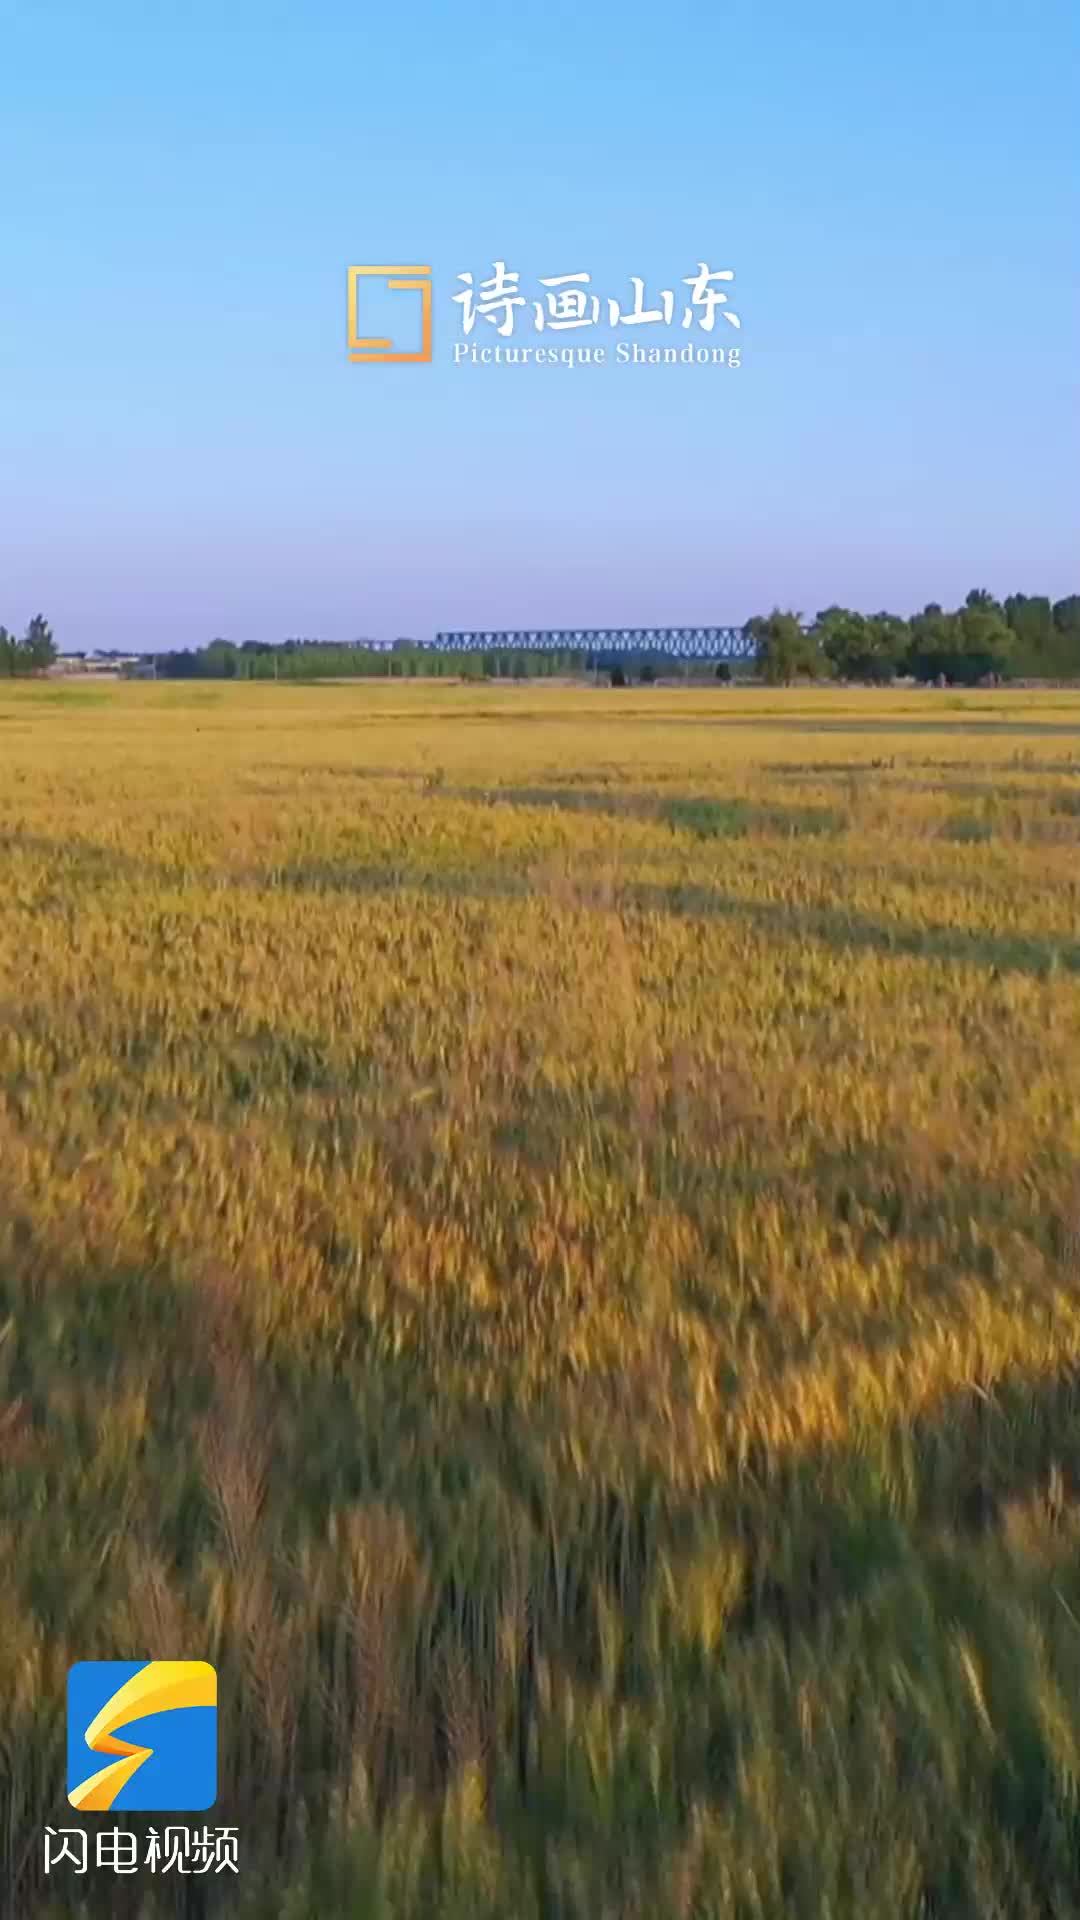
(82, 858)
(75, 863)
(965, 724)
(1039, 955)
(885, 781)
(917, 770)
(616, 801)
(707, 818)
(831, 1525)
(53, 871)
(356, 1539)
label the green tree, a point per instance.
(965, 646)
(984, 630)
(220, 660)
(841, 635)
(982, 598)
(861, 646)
(933, 630)
(1066, 614)
(1031, 620)
(38, 646)
(784, 649)
(1066, 617)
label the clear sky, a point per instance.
(185, 449)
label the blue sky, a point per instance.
(187, 450)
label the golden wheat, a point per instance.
(538, 1231)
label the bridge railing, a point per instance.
(693, 643)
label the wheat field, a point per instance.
(539, 1231)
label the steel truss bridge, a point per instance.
(681, 643)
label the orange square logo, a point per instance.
(399, 280)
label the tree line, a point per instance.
(32, 654)
(1022, 637)
(314, 660)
